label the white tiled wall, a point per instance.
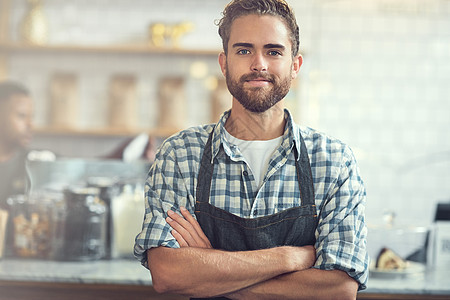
(101, 22)
(375, 75)
(378, 76)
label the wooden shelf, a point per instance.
(113, 49)
(54, 131)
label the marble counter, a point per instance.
(118, 271)
(429, 282)
(130, 272)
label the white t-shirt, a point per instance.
(257, 154)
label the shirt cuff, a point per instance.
(345, 257)
(155, 234)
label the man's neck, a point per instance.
(246, 125)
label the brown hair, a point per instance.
(239, 8)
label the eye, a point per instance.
(274, 53)
(243, 52)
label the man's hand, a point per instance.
(236, 274)
(203, 272)
(186, 230)
(188, 233)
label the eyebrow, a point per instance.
(266, 46)
(246, 45)
(274, 46)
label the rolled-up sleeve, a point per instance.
(164, 190)
(341, 232)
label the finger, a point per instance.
(187, 215)
(199, 231)
(179, 239)
(179, 219)
(187, 229)
(173, 222)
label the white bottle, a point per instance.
(128, 213)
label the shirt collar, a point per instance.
(291, 135)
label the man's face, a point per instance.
(16, 117)
(259, 66)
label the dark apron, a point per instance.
(295, 226)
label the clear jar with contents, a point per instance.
(31, 227)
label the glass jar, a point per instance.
(108, 189)
(85, 225)
(31, 225)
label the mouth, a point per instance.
(258, 82)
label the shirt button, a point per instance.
(245, 173)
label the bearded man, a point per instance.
(255, 206)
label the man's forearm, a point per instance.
(306, 284)
(204, 272)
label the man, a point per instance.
(16, 114)
(255, 206)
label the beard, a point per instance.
(258, 99)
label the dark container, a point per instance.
(108, 189)
(85, 224)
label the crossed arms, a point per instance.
(197, 270)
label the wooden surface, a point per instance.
(114, 49)
(61, 131)
(21, 290)
(18, 290)
(365, 296)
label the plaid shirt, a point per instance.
(339, 191)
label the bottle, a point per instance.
(128, 214)
(34, 26)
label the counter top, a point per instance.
(429, 282)
(118, 271)
(130, 272)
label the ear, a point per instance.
(223, 62)
(296, 64)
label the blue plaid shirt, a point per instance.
(339, 191)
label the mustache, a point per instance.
(259, 75)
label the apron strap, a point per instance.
(304, 174)
(205, 173)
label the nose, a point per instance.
(259, 63)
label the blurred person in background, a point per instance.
(16, 117)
